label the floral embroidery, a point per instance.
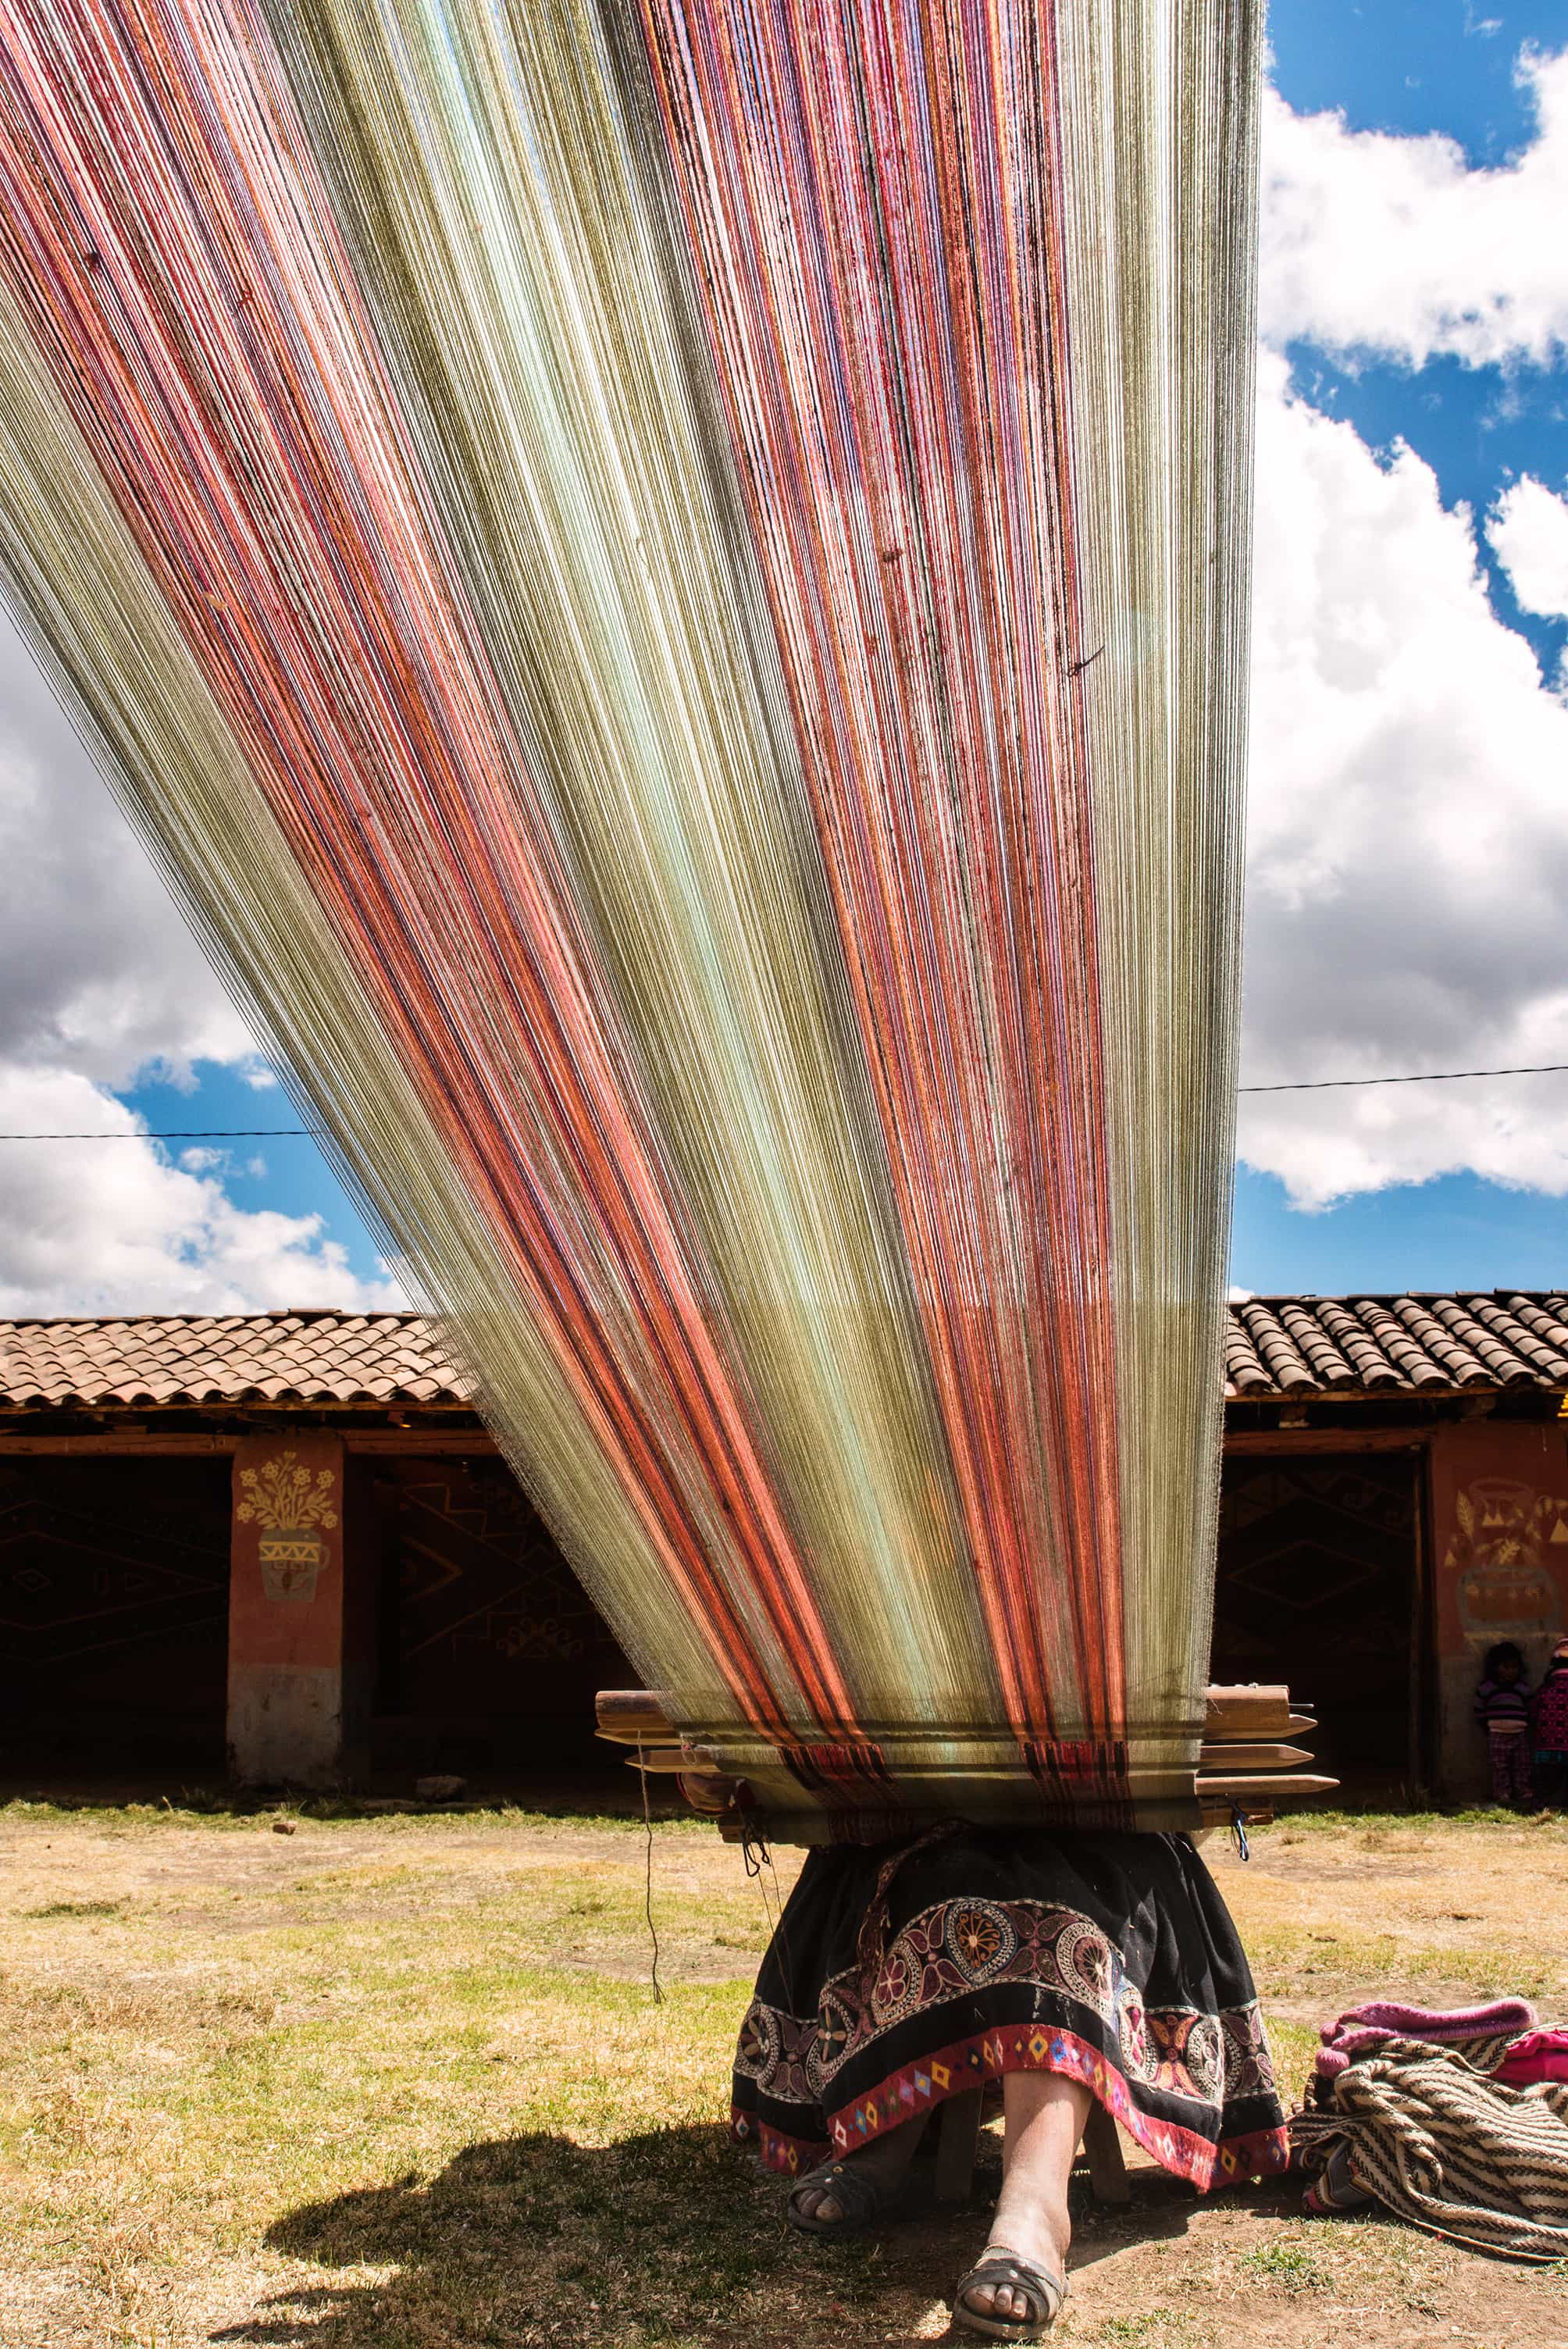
(953, 1947)
(1132, 2030)
(889, 1992)
(776, 2050)
(979, 1937)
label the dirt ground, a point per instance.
(400, 2081)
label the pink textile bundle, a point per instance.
(1538, 2055)
(1364, 2027)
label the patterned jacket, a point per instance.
(1549, 1714)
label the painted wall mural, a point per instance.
(1505, 1558)
(291, 1504)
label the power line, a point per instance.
(209, 1134)
(1425, 1077)
(1301, 1085)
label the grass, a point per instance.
(398, 2079)
(1287, 2266)
(1157, 2328)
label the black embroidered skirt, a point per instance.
(901, 1974)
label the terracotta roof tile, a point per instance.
(1295, 1346)
(1244, 1372)
(1316, 1347)
(1462, 1367)
(1530, 1329)
(1276, 1348)
(152, 1358)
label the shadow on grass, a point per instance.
(663, 2238)
(667, 2240)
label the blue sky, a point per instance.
(1413, 65)
(1413, 68)
(288, 1174)
(1409, 875)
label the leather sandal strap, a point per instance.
(999, 2266)
(857, 2194)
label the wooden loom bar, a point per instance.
(1269, 1786)
(633, 1717)
(1261, 1709)
(1242, 1764)
(672, 1761)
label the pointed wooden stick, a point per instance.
(1240, 1756)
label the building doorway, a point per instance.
(1316, 1585)
(489, 1649)
(114, 1613)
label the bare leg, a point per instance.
(1045, 2117)
(887, 2159)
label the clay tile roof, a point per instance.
(153, 1358)
(1281, 1347)
(1277, 1347)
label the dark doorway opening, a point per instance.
(1316, 1585)
(114, 1614)
(489, 1651)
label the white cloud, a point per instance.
(1408, 846)
(1396, 245)
(98, 972)
(112, 1227)
(99, 978)
(1408, 837)
(1529, 532)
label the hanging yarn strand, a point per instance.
(667, 580)
(648, 1883)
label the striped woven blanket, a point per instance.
(1439, 2141)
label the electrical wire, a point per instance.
(1422, 1077)
(1297, 1085)
(207, 1133)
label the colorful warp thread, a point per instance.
(669, 584)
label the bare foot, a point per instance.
(1045, 2119)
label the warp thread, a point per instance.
(574, 543)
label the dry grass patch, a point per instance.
(399, 2081)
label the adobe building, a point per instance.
(282, 1547)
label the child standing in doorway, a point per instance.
(1549, 1730)
(1503, 1709)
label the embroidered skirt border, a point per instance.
(989, 2055)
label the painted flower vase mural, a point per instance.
(1505, 1555)
(291, 1504)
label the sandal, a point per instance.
(998, 2265)
(1335, 2190)
(855, 2189)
